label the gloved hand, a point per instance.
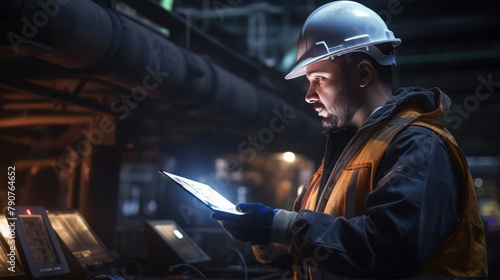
(254, 226)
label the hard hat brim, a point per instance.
(300, 67)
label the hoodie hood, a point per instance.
(433, 102)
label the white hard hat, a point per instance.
(342, 27)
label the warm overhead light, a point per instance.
(289, 156)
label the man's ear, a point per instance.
(365, 71)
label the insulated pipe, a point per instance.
(81, 34)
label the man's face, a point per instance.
(332, 93)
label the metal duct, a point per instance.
(81, 34)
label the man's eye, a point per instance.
(319, 79)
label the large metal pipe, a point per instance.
(81, 34)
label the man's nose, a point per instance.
(311, 95)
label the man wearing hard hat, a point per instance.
(393, 197)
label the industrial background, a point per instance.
(96, 96)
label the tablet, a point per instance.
(204, 193)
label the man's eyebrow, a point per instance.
(312, 73)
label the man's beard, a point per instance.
(333, 123)
(345, 107)
(330, 124)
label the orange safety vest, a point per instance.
(463, 253)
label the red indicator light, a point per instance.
(28, 211)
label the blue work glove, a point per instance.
(254, 227)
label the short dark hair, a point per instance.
(384, 71)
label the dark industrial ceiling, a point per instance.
(214, 73)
